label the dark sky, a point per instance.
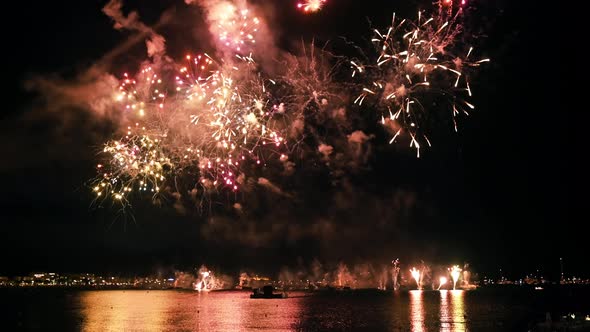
(495, 195)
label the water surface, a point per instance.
(512, 309)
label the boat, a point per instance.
(267, 292)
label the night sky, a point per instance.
(495, 195)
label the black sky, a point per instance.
(494, 195)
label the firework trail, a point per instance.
(395, 272)
(416, 66)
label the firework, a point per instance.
(416, 275)
(137, 160)
(208, 122)
(442, 281)
(206, 281)
(236, 28)
(310, 79)
(141, 96)
(215, 118)
(395, 273)
(416, 67)
(230, 121)
(455, 272)
(198, 78)
(311, 6)
(138, 163)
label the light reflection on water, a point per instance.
(139, 310)
(458, 310)
(452, 311)
(234, 311)
(185, 311)
(416, 311)
(117, 310)
(445, 311)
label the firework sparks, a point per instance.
(311, 6)
(310, 80)
(455, 272)
(138, 163)
(141, 95)
(442, 282)
(216, 118)
(236, 28)
(206, 281)
(416, 275)
(395, 272)
(198, 78)
(137, 160)
(415, 67)
(235, 114)
(208, 119)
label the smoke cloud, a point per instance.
(155, 43)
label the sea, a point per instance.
(484, 309)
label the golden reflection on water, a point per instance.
(445, 311)
(123, 311)
(452, 311)
(458, 310)
(215, 313)
(185, 311)
(416, 311)
(235, 311)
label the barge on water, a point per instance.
(267, 292)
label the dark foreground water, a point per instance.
(504, 309)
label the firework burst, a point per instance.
(198, 78)
(310, 78)
(236, 28)
(142, 95)
(311, 6)
(138, 163)
(209, 122)
(416, 68)
(216, 118)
